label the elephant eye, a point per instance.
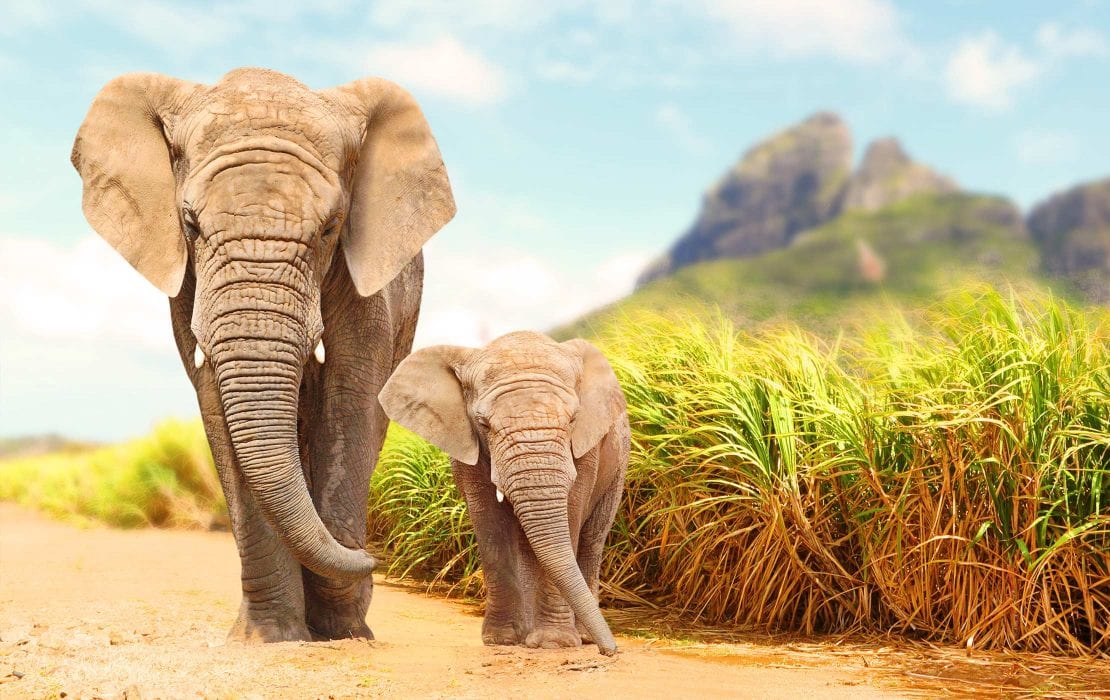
(189, 222)
(332, 227)
(482, 421)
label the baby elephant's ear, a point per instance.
(600, 399)
(424, 395)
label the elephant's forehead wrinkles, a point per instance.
(530, 419)
(528, 405)
(271, 198)
(546, 364)
(496, 385)
(230, 115)
(267, 169)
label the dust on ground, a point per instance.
(96, 612)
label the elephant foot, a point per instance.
(258, 631)
(500, 633)
(553, 638)
(337, 611)
(329, 625)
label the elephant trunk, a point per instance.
(259, 385)
(543, 517)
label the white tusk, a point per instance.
(319, 351)
(500, 496)
(198, 357)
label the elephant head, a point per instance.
(531, 407)
(255, 183)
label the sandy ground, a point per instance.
(109, 613)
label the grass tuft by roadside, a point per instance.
(165, 479)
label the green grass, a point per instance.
(164, 479)
(418, 515)
(946, 478)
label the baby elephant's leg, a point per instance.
(498, 536)
(592, 543)
(554, 624)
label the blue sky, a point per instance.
(579, 138)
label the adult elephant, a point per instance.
(282, 222)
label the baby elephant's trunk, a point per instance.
(546, 526)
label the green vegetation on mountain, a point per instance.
(1072, 229)
(908, 254)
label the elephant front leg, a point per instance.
(554, 620)
(343, 426)
(340, 486)
(508, 619)
(592, 542)
(334, 609)
(273, 606)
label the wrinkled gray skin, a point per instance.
(545, 423)
(235, 200)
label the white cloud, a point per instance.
(1059, 42)
(677, 124)
(988, 72)
(613, 278)
(855, 30)
(1044, 147)
(86, 347)
(78, 293)
(443, 67)
(985, 71)
(471, 298)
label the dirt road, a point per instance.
(109, 613)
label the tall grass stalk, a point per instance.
(952, 483)
(418, 515)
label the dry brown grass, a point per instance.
(952, 485)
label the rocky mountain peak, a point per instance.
(887, 175)
(785, 184)
(801, 178)
(1072, 229)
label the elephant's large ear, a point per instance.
(129, 191)
(424, 395)
(600, 399)
(400, 195)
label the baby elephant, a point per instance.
(538, 437)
